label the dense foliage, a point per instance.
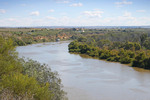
(26, 79)
(25, 36)
(127, 48)
(43, 74)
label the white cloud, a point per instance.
(93, 19)
(124, 2)
(2, 11)
(76, 5)
(78, 21)
(142, 21)
(62, 1)
(11, 19)
(141, 11)
(92, 14)
(35, 13)
(51, 10)
(127, 14)
(65, 1)
(51, 18)
(125, 19)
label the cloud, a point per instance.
(76, 5)
(2, 11)
(141, 11)
(11, 19)
(35, 13)
(62, 1)
(125, 20)
(65, 1)
(92, 14)
(124, 2)
(51, 18)
(127, 14)
(51, 10)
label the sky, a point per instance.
(24, 13)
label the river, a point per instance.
(86, 78)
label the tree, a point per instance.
(8, 63)
(22, 87)
(74, 47)
(139, 60)
(137, 46)
(44, 75)
(82, 39)
(129, 46)
(143, 37)
(84, 48)
(146, 43)
(103, 43)
(26, 80)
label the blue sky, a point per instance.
(74, 12)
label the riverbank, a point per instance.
(128, 65)
(134, 58)
(25, 78)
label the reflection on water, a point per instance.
(85, 78)
(141, 70)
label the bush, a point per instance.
(26, 80)
(24, 87)
(125, 60)
(43, 74)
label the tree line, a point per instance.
(127, 48)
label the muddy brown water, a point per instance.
(86, 78)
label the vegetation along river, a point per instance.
(90, 79)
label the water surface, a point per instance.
(85, 78)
